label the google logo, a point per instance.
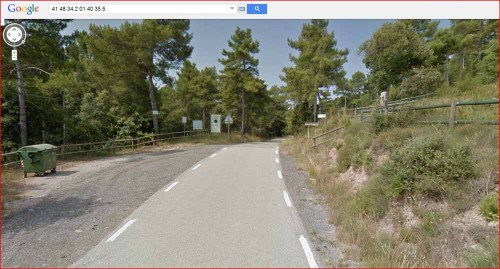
(24, 9)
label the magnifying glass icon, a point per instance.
(257, 8)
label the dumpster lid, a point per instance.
(36, 148)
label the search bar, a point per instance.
(256, 8)
(144, 9)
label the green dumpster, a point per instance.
(38, 159)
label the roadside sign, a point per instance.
(228, 119)
(156, 112)
(315, 124)
(215, 123)
(197, 125)
(184, 119)
(321, 116)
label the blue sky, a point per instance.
(210, 37)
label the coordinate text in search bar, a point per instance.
(144, 9)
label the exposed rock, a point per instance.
(493, 223)
(356, 176)
(333, 156)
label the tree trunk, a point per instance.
(446, 72)
(22, 104)
(243, 111)
(154, 106)
(462, 63)
(203, 118)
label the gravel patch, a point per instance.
(64, 215)
(313, 213)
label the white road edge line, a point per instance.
(277, 160)
(196, 167)
(171, 186)
(213, 155)
(308, 252)
(224, 148)
(120, 231)
(287, 199)
(279, 174)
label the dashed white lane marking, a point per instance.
(98, 200)
(277, 160)
(308, 252)
(213, 155)
(171, 186)
(224, 148)
(279, 174)
(287, 199)
(276, 151)
(196, 167)
(120, 231)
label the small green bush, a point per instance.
(357, 139)
(382, 122)
(489, 206)
(430, 221)
(421, 81)
(373, 199)
(429, 166)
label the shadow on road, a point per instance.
(46, 212)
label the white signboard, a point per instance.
(215, 123)
(228, 119)
(184, 119)
(197, 125)
(321, 116)
(155, 112)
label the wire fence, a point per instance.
(12, 158)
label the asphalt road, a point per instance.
(206, 206)
(70, 212)
(228, 210)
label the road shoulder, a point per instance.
(311, 210)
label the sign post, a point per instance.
(184, 121)
(228, 121)
(215, 123)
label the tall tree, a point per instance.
(392, 52)
(319, 64)
(149, 49)
(444, 44)
(41, 54)
(240, 72)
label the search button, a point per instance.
(256, 8)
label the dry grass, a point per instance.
(433, 241)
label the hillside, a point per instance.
(403, 194)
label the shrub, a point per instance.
(357, 139)
(421, 81)
(429, 166)
(373, 198)
(489, 206)
(382, 122)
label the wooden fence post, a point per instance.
(452, 114)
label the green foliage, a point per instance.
(392, 52)
(430, 221)
(373, 199)
(489, 206)
(485, 256)
(354, 151)
(429, 166)
(420, 81)
(241, 89)
(382, 122)
(319, 64)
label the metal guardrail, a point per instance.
(111, 145)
